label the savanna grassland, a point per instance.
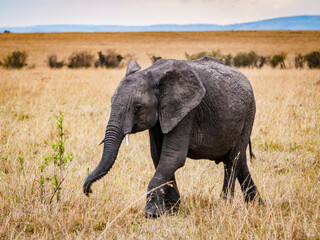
(286, 143)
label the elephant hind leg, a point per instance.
(237, 167)
(248, 187)
(230, 174)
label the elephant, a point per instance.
(200, 109)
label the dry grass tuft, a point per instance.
(285, 141)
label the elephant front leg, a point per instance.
(172, 197)
(157, 189)
(163, 194)
(163, 197)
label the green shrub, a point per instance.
(251, 59)
(196, 55)
(54, 63)
(278, 59)
(80, 60)
(313, 59)
(227, 59)
(155, 58)
(59, 159)
(245, 59)
(110, 60)
(262, 61)
(16, 59)
(216, 54)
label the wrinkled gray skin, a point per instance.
(199, 109)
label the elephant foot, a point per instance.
(153, 210)
(172, 207)
(254, 197)
(226, 197)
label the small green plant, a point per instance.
(155, 58)
(60, 160)
(80, 60)
(313, 59)
(278, 59)
(21, 161)
(15, 60)
(54, 63)
(42, 178)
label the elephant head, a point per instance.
(166, 92)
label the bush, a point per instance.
(226, 59)
(299, 61)
(313, 59)
(245, 59)
(80, 60)
(196, 55)
(262, 60)
(155, 58)
(278, 59)
(251, 59)
(216, 54)
(110, 60)
(54, 63)
(16, 59)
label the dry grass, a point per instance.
(286, 142)
(167, 45)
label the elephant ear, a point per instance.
(133, 67)
(180, 91)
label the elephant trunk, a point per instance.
(112, 142)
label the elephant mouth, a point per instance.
(137, 127)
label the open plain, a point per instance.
(286, 143)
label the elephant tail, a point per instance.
(250, 150)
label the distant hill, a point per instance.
(308, 22)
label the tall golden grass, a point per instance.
(286, 142)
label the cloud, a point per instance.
(146, 12)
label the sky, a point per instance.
(148, 12)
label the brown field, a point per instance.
(286, 142)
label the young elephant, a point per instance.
(200, 109)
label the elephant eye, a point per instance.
(137, 108)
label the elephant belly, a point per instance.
(212, 153)
(209, 142)
(213, 148)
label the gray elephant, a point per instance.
(201, 109)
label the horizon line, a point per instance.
(171, 24)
